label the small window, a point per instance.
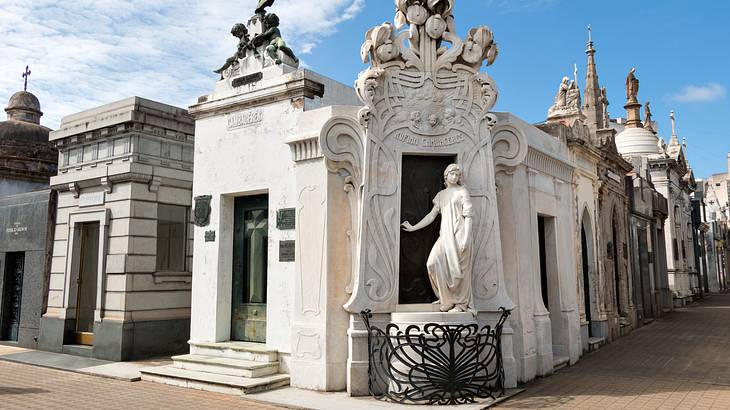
(171, 224)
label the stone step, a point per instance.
(256, 352)
(595, 343)
(77, 350)
(218, 383)
(560, 362)
(225, 366)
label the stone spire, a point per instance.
(593, 108)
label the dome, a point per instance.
(23, 100)
(24, 119)
(25, 131)
(637, 142)
(24, 106)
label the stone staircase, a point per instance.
(229, 367)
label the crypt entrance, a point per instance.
(86, 283)
(422, 179)
(250, 260)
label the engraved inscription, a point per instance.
(444, 141)
(245, 119)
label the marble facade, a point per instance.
(124, 169)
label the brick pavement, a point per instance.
(29, 387)
(681, 361)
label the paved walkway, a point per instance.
(681, 361)
(29, 387)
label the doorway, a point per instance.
(586, 276)
(86, 283)
(250, 262)
(644, 280)
(12, 296)
(422, 178)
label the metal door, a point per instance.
(250, 260)
(12, 296)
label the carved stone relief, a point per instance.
(421, 96)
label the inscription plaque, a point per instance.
(286, 219)
(247, 79)
(286, 251)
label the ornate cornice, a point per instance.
(546, 164)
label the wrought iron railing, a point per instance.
(434, 363)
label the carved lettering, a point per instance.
(245, 119)
(444, 141)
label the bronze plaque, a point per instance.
(286, 219)
(286, 251)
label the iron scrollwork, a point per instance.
(435, 364)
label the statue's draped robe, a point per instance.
(449, 270)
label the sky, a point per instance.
(85, 53)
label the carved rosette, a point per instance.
(424, 93)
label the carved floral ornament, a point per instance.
(428, 21)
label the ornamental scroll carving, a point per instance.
(424, 94)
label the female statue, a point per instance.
(449, 263)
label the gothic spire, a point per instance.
(593, 108)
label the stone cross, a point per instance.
(671, 115)
(26, 74)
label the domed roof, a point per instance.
(637, 142)
(23, 100)
(23, 124)
(21, 130)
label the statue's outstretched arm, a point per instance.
(426, 221)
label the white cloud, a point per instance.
(701, 93)
(91, 52)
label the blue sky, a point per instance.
(86, 53)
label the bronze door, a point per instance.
(12, 296)
(86, 283)
(250, 260)
(423, 178)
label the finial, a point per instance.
(590, 32)
(26, 74)
(671, 115)
(575, 74)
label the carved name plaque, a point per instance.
(247, 79)
(286, 219)
(245, 119)
(443, 141)
(286, 251)
(91, 199)
(16, 229)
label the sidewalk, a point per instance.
(126, 371)
(681, 361)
